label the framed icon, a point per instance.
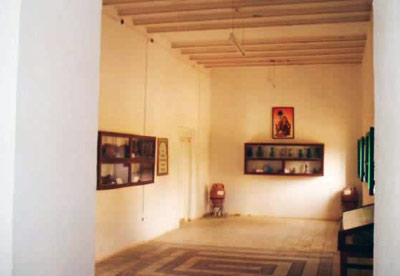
(283, 122)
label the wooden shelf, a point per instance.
(117, 186)
(284, 159)
(309, 167)
(286, 174)
(127, 160)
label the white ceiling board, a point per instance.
(271, 32)
(213, 14)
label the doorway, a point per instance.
(185, 173)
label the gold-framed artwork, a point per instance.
(162, 156)
(283, 122)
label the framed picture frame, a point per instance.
(283, 122)
(162, 157)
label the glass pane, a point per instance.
(256, 152)
(146, 148)
(135, 147)
(317, 152)
(114, 147)
(135, 177)
(262, 167)
(303, 167)
(280, 152)
(114, 174)
(142, 172)
(146, 172)
(302, 152)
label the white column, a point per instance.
(56, 137)
(387, 121)
(9, 25)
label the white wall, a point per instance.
(368, 82)
(387, 102)
(56, 135)
(327, 102)
(178, 97)
(9, 27)
(367, 111)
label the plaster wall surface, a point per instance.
(327, 102)
(56, 134)
(146, 89)
(9, 31)
(387, 148)
(368, 108)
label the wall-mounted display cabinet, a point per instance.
(124, 160)
(284, 159)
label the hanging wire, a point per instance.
(160, 45)
(233, 18)
(242, 36)
(272, 74)
(146, 73)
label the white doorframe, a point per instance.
(186, 172)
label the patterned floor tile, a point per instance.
(191, 260)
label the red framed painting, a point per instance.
(283, 122)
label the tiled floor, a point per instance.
(235, 246)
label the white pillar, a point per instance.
(56, 137)
(9, 26)
(387, 121)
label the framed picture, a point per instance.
(162, 156)
(283, 122)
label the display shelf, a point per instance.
(284, 159)
(124, 160)
(286, 174)
(127, 160)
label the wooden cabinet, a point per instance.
(284, 159)
(124, 160)
(356, 239)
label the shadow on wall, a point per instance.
(206, 197)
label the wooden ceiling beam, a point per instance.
(259, 13)
(121, 2)
(347, 18)
(277, 47)
(198, 5)
(316, 62)
(196, 44)
(309, 53)
(283, 59)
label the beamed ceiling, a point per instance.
(269, 32)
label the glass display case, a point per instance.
(284, 159)
(124, 160)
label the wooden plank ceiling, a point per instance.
(175, 16)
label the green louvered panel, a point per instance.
(366, 160)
